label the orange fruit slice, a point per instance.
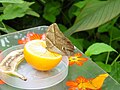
(39, 57)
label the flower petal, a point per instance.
(81, 79)
(97, 82)
(1, 82)
(71, 84)
(73, 88)
(78, 54)
(31, 36)
(79, 63)
(22, 41)
(71, 63)
(83, 59)
(43, 36)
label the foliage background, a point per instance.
(92, 25)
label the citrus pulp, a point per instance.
(39, 57)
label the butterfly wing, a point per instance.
(57, 42)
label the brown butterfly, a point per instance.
(57, 42)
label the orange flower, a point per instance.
(1, 82)
(82, 83)
(78, 59)
(74, 84)
(31, 36)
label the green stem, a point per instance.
(4, 27)
(116, 38)
(115, 59)
(107, 58)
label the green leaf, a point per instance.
(98, 48)
(9, 29)
(33, 13)
(77, 42)
(115, 72)
(106, 67)
(50, 17)
(43, 1)
(1, 9)
(62, 27)
(51, 10)
(94, 14)
(80, 4)
(115, 33)
(100, 57)
(11, 1)
(76, 13)
(72, 11)
(12, 11)
(106, 27)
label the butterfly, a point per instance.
(57, 42)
